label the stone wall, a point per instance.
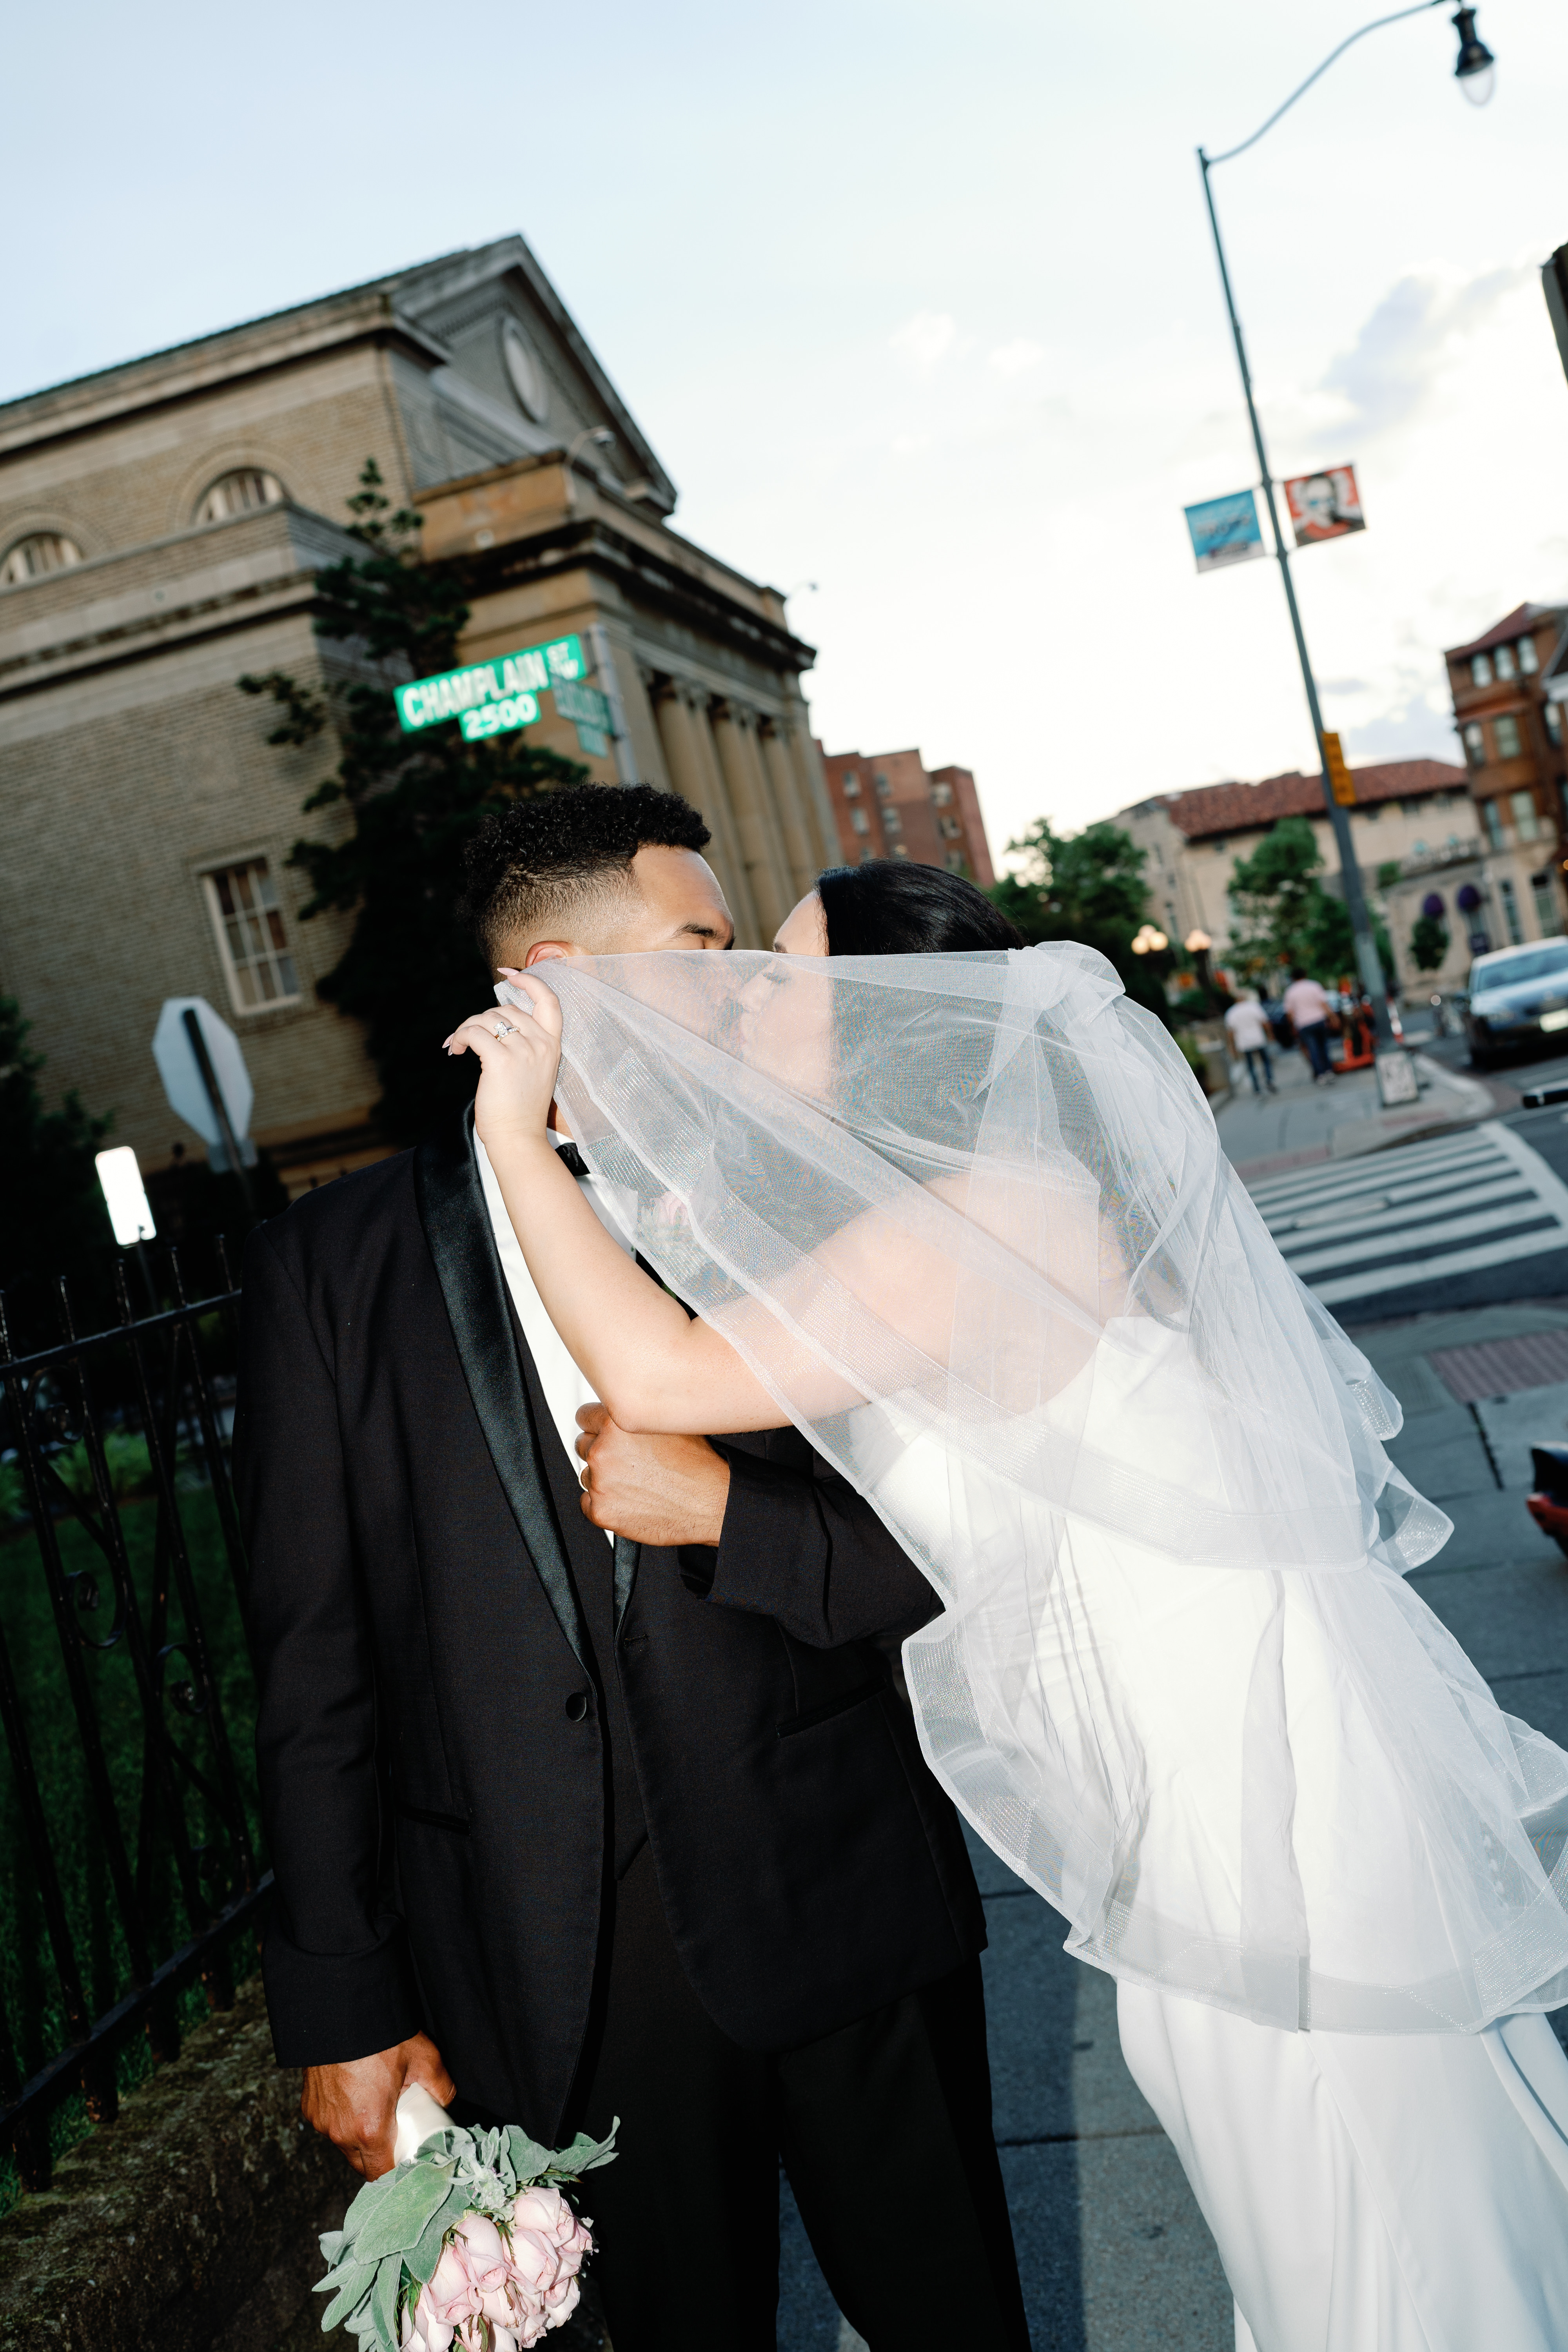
(189, 2223)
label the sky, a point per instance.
(916, 301)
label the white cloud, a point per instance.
(1389, 369)
(925, 339)
(1016, 357)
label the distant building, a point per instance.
(161, 527)
(1510, 725)
(1413, 814)
(890, 804)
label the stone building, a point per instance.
(1510, 726)
(160, 524)
(1406, 810)
(890, 804)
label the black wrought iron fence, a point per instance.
(128, 1837)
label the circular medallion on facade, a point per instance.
(522, 367)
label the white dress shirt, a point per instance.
(565, 1386)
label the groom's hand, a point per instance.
(355, 2105)
(653, 1490)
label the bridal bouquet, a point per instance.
(469, 2242)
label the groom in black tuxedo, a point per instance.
(567, 1826)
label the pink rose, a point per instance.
(477, 2241)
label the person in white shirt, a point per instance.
(1307, 1004)
(1249, 1033)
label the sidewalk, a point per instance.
(1265, 1135)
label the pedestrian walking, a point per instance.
(1307, 1005)
(1247, 1026)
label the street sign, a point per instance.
(1342, 784)
(502, 693)
(1397, 1080)
(1226, 530)
(589, 711)
(203, 1069)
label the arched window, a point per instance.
(44, 551)
(236, 493)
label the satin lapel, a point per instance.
(628, 1557)
(458, 1228)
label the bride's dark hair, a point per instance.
(888, 908)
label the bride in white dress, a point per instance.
(964, 1220)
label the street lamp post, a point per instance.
(1475, 72)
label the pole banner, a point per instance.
(1324, 505)
(1226, 530)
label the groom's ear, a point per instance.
(548, 951)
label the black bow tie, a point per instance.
(572, 1160)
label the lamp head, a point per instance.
(1476, 71)
(1198, 942)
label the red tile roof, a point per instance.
(1513, 624)
(1244, 808)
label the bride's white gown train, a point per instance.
(1368, 2192)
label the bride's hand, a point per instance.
(519, 1052)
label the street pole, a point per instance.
(220, 1108)
(1474, 74)
(1368, 962)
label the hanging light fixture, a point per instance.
(1476, 71)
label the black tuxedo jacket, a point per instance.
(431, 1742)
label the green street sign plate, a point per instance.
(491, 698)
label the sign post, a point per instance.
(207, 1084)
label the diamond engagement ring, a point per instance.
(504, 1029)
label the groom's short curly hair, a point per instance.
(531, 867)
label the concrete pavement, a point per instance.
(1300, 1123)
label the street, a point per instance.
(1448, 1256)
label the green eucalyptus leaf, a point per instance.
(420, 2259)
(332, 2242)
(530, 2162)
(584, 2154)
(398, 2222)
(371, 2198)
(384, 2302)
(353, 2286)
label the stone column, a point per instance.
(794, 813)
(796, 733)
(694, 771)
(767, 865)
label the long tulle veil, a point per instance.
(968, 1218)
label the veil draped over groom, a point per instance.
(968, 1218)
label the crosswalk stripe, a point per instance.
(1456, 1205)
(1372, 1173)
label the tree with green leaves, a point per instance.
(410, 970)
(1282, 915)
(1428, 941)
(1085, 886)
(52, 1217)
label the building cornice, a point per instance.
(593, 543)
(193, 372)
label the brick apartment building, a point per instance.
(1412, 814)
(161, 525)
(890, 804)
(1509, 721)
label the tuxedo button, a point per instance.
(576, 1706)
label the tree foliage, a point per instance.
(410, 970)
(52, 1217)
(1085, 886)
(1283, 916)
(1428, 941)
